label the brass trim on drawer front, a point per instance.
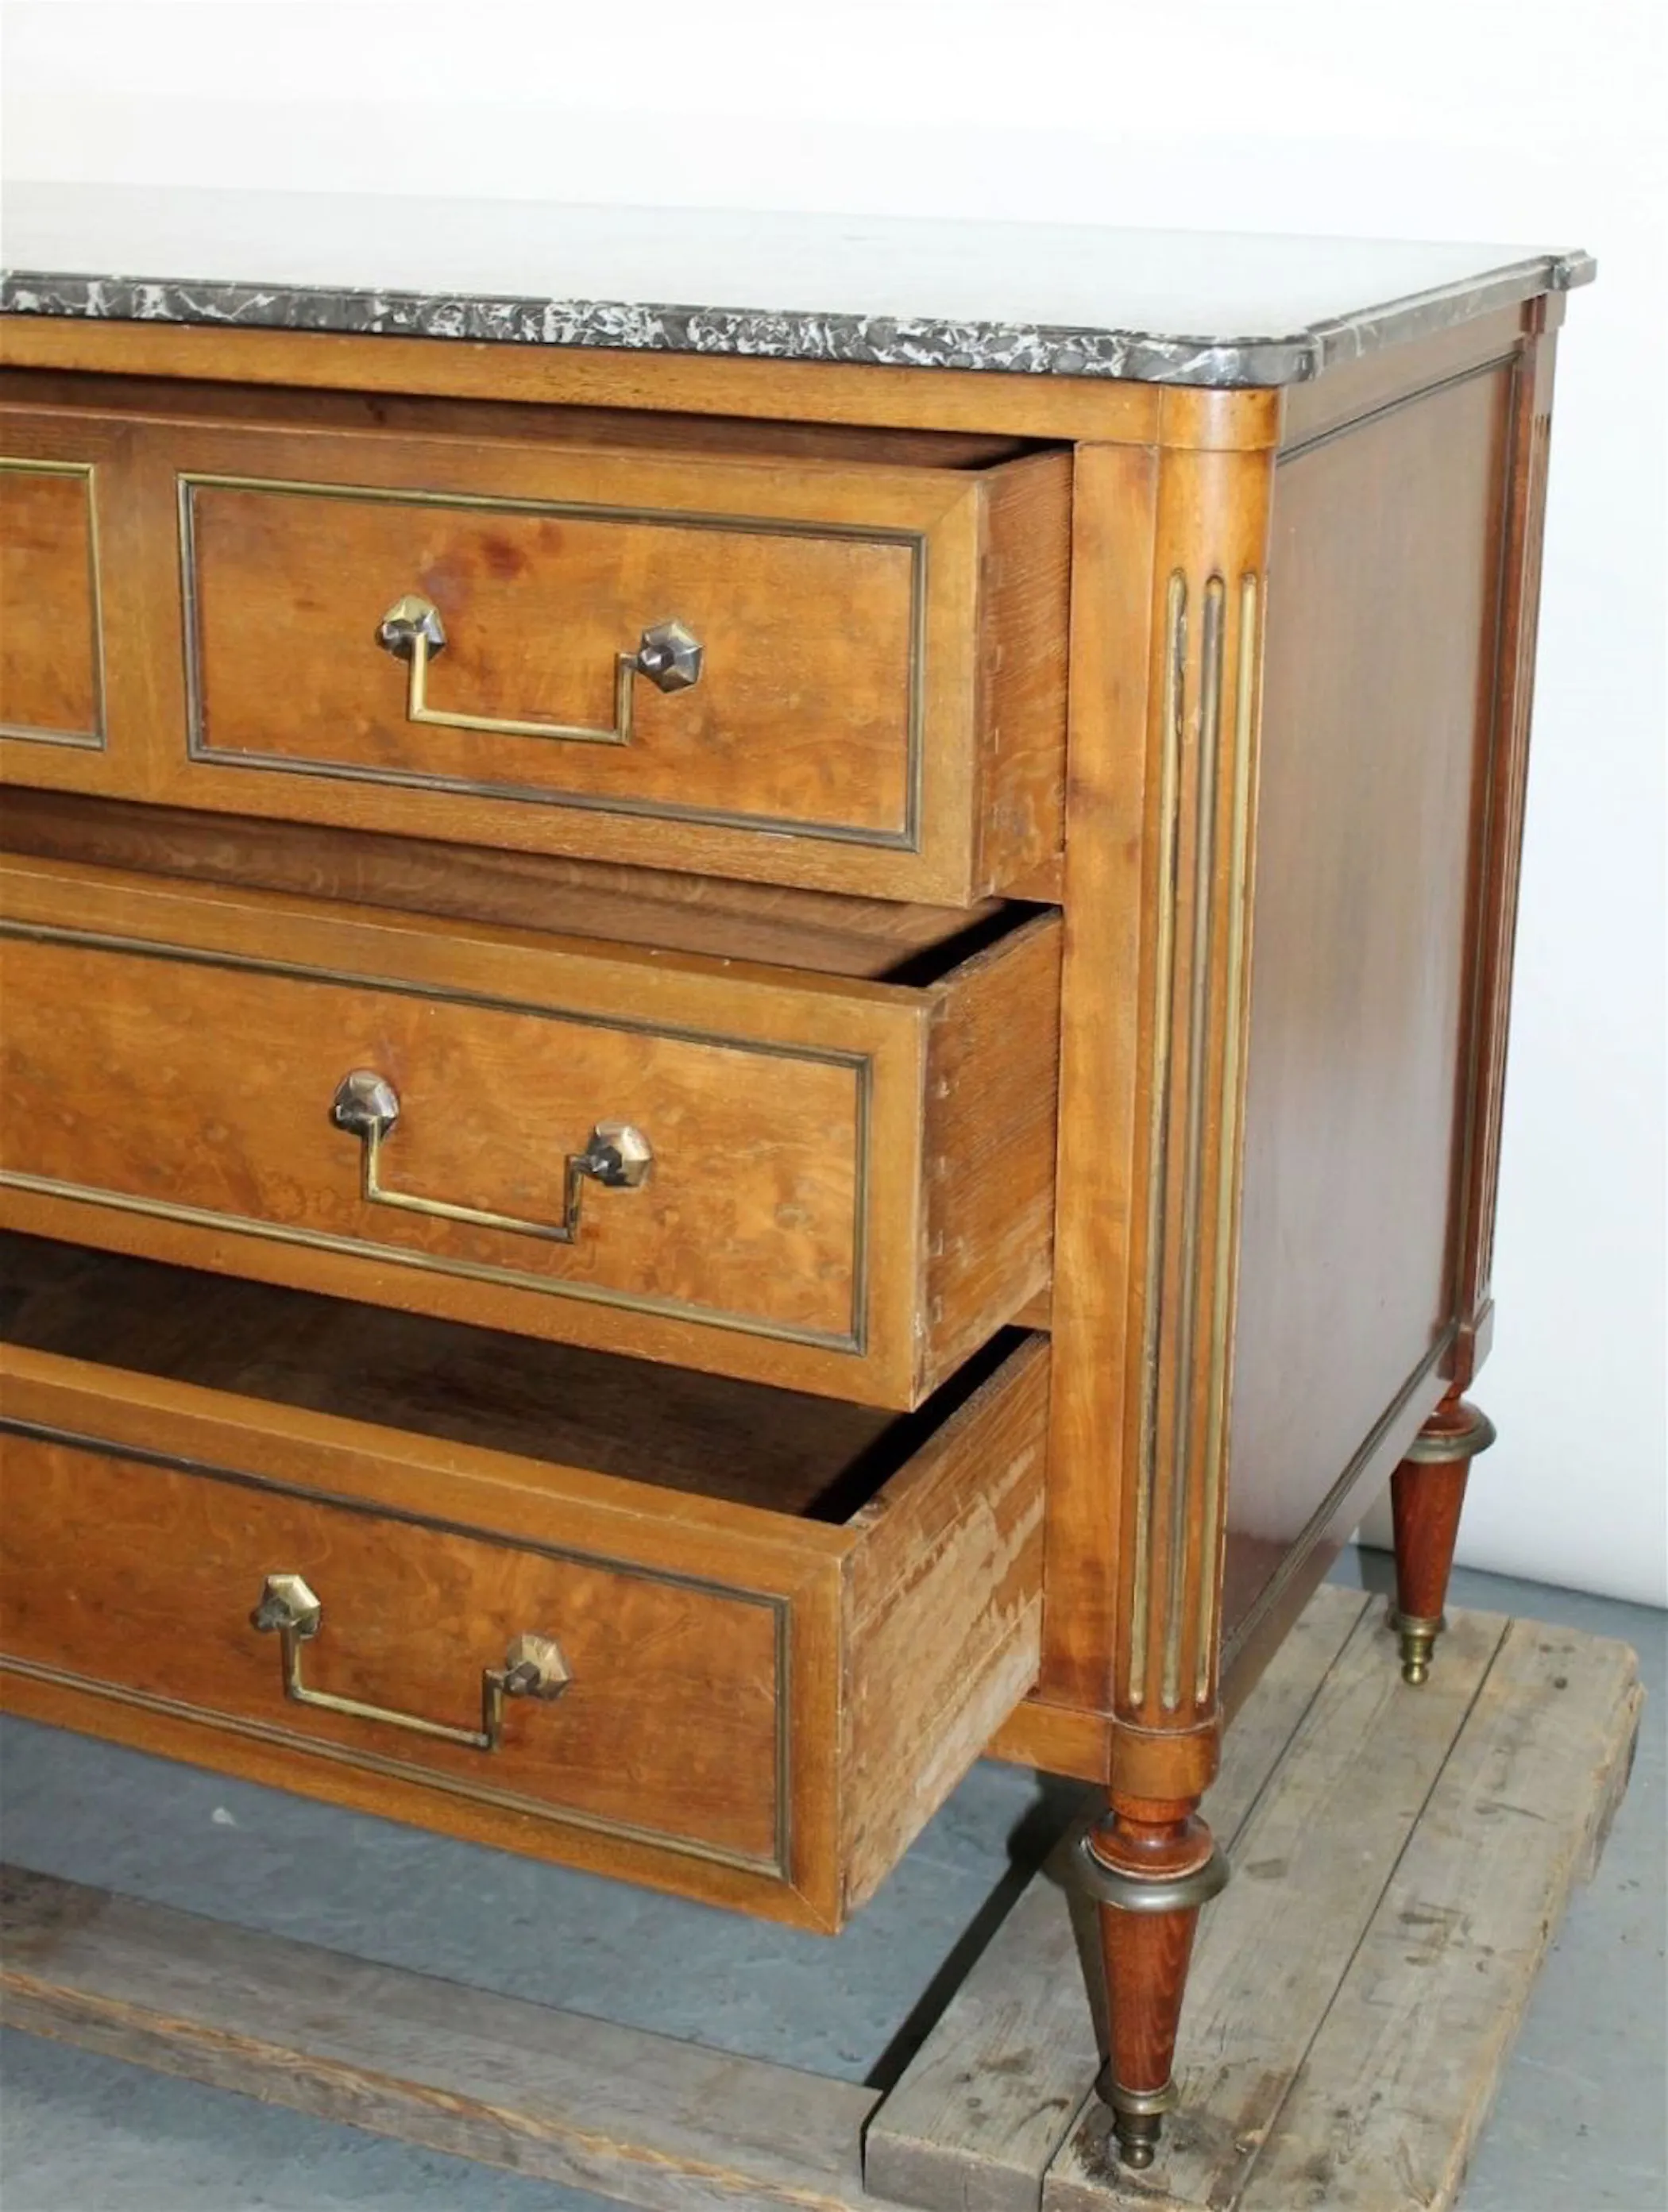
(906, 840)
(399, 1771)
(95, 741)
(854, 1341)
(779, 1864)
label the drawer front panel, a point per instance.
(836, 674)
(805, 716)
(763, 1703)
(827, 1183)
(52, 685)
(200, 1087)
(137, 1582)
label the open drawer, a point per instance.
(724, 1639)
(831, 1182)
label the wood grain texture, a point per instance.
(1025, 577)
(1450, 1958)
(943, 1605)
(1060, 407)
(772, 924)
(1310, 1865)
(1057, 1740)
(787, 726)
(104, 653)
(1169, 553)
(1359, 1178)
(1285, 1577)
(925, 766)
(1387, 516)
(1378, 701)
(1427, 1499)
(1146, 1956)
(818, 1723)
(140, 1581)
(1113, 515)
(50, 645)
(1398, 2070)
(1500, 837)
(1353, 391)
(975, 2121)
(478, 1389)
(115, 1061)
(618, 429)
(618, 2111)
(779, 1233)
(992, 1078)
(1201, 861)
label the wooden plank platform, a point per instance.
(1401, 1861)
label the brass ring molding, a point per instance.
(413, 632)
(616, 1156)
(533, 1667)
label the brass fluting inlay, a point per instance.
(1164, 963)
(1207, 800)
(1219, 1363)
(1191, 1257)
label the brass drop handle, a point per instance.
(533, 1667)
(412, 631)
(616, 1156)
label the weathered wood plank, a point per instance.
(664, 2125)
(1399, 2079)
(973, 2123)
(1311, 1867)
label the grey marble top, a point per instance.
(1160, 307)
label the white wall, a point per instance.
(1427, 119)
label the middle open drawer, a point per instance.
(835, 1184)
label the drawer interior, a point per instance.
(742, 1443)
(812, 932)
(618, 429)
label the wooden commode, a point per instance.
(747, 1047)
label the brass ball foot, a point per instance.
(1137, 2137)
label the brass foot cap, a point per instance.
(1418, 1641)
(1137, 2137)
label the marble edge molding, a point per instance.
(883, 342)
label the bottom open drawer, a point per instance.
(726, 1639)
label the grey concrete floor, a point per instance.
(1581, 2124)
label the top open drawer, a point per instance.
(798, 669)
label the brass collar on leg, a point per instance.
(1434, 1447)
(1134, 1892)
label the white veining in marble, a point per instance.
(1172, 305)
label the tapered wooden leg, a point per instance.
(1149, 1867)
(1427, 1492)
